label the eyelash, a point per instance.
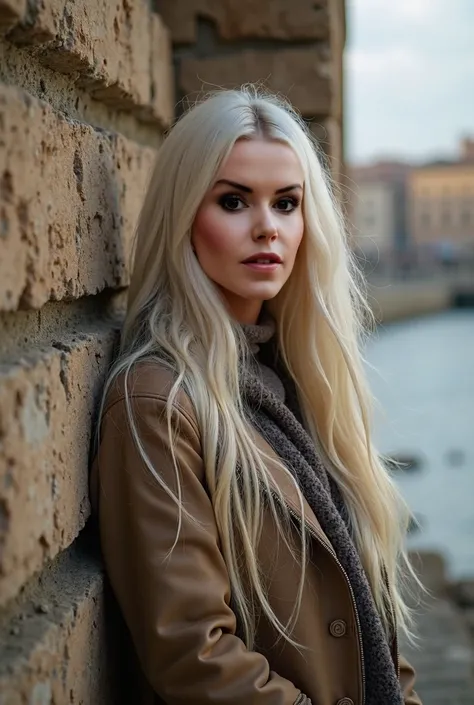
(295, 202)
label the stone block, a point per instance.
(69, 201)
(337, 40)
(56, 645)
(247, 19)
(300, 74)
(48, 401)
(108, 47)
(161, 74)
(11, 12)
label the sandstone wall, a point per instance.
(294, 48)
(87, 90)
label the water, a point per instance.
(424, 383)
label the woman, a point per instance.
(250, 532)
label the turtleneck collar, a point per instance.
(259, 333)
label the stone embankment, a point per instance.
(444, 654)
(395, 299)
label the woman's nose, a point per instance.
(265, 228)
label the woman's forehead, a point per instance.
(259, 162)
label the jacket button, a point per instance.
(345, 701)
(338, 628)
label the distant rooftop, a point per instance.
(396, 170)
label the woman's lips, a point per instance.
(260, 267)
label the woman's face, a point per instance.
(250, 223)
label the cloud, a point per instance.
(405, 9)
(409, 75)
(379, 63)
(395, 14)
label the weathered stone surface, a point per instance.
(161, 73)
(47, 405)
(57, 646)
(108, 47)
(69, 199)
(248, 19)
(337, 39)
(33, 329)
(11, 12)
(19, 67)
(443, 656)
(39, 22)
(301, 74)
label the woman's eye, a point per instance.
(287, 205)
(231, 202)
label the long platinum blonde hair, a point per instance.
(176, 313)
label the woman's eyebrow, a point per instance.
(247, 189)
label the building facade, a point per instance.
(441, 206)
(377, 210)
(373, 217)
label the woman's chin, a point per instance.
(263, 292)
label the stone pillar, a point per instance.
(294, 48)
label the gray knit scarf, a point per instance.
(271, 400)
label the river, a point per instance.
(422, 374)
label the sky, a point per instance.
(409, 78)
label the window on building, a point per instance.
(466, 217)
(425, 218)
(446, 217)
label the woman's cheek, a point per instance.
(214, 236)
(215, 233)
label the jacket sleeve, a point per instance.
(407, 680)
(176, 605)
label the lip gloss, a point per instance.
(259, 267)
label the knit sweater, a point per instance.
(257, 335)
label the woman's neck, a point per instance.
(245, 311)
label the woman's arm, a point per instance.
(176, 606)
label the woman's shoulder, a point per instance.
(146, 388)
(147, 380)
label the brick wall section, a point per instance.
(46, 409)
(65, 637)
(87, 90)
(119, 51)
(60, 627)
(75, 239)
(293, 48)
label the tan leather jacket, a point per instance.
(177, 606)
